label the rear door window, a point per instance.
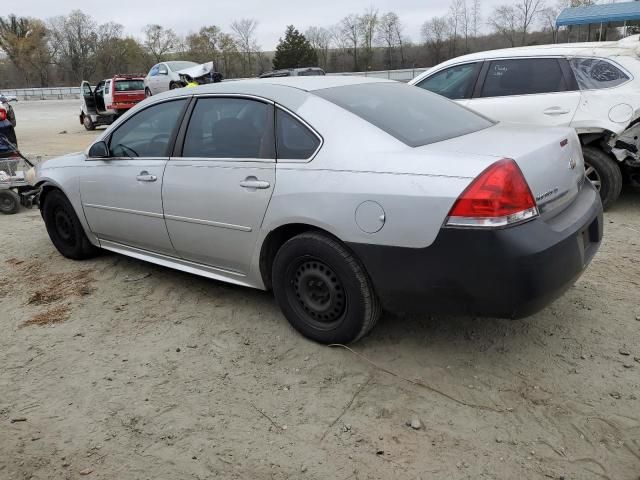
(454, 82)
(230, 128)
(596, 73)
(523, 77)
(147, 133)
(294, 141)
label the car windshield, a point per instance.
(412, 115)
(129, 85)
(175, 66)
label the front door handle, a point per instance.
(253, 182)
(556, 111)
(144, 176)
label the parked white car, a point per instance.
(592, 87)
(169, 75)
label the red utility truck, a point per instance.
(109, 99)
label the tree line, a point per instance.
(67, 49)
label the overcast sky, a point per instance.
(273, 15)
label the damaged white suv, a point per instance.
(592, 87)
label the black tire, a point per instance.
(65, 229)
(88, 123)
(174, 85)
(9, 202)
(147, 92)
(323, 290)
(604, 173)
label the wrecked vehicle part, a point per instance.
(625, 146)
(200, 74)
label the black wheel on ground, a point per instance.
(65, 229)
(323, 289)
(9, 202)
(88, 123)
(147, 92)
(604, 173)
(174, 85)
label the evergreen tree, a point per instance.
(294, 51)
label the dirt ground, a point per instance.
(118, 369)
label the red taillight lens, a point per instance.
(499, 196)
(3, 114)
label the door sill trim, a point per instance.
(214, 273)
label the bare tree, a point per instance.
(505, 22)
(528, 11)
(387, 35)
(465, 23)
(159, 41)
(350, 36)
(75, 40)
(228, 54)
(368, 23)
(435, 33)
(244, 32)
(549, 15)
(399, 31)
(476, 17)
(455, 22)
(320, 39)
(515, 20)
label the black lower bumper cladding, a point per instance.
(507, 273)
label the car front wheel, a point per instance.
(65, 229)
(604, 174)
(323, 290)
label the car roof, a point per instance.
(290, 92)
(309, 84)
(625, 46)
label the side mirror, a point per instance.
(99, 150)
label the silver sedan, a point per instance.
(342, 195)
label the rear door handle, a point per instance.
(144, 176)
(556, 111)
(253, 182)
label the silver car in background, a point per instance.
(343, 195)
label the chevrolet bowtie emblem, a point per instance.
(572, 163)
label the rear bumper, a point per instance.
(508, 273)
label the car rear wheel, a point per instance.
(323, 290)
(9, 202)
(65, 229)
(147, 92)
(88, 123)
(603, 173)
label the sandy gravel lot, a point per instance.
(149, 373)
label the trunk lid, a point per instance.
(549, 158)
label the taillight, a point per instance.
(3, 114)
(498, 197)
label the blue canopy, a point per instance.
(610, 12)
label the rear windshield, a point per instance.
(412, 115)
(129, 85)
